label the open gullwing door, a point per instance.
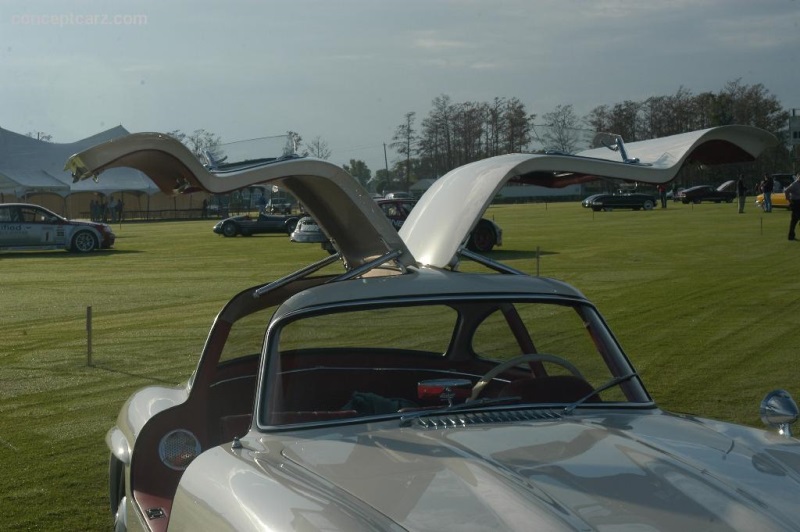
(452, 206)
(338, 203)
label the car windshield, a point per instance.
(357, 362)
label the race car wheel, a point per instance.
(648, 205)
(482, 239)
(290, 226)
(229, 229)
(84, 242)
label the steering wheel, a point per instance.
(529, 357)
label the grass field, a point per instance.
(703, 300)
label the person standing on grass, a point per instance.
(793, 195)
(662, 193)
(767, 186)
(741, 192)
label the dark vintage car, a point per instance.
(726, 193)
(24, 226)
(394, 390)
(483, 238)
(621, 200)
(247, 225)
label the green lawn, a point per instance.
(703, 300)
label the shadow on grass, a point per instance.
(136, 375)
(502, 256)
(61, 254)
(257, 235)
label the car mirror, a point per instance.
(778, 409)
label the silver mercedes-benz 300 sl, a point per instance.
(403, 393)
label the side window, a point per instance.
(6, 214)
(29, 215)
(246, 336)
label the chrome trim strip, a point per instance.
(299, 274)
(489, 263)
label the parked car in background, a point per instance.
(24, 226)
(778, 197)
(396, 209)
(482, 239)
(247, 225)
(408, 394)
(726, 192)
(308, 231)
(622, 200)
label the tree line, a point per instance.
(453, 134)
(456, 133)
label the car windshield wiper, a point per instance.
(603, 387)
(469, 405)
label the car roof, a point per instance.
(428, 284)
(449, 209)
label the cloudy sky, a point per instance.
(349, 70)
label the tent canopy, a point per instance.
(29, 166)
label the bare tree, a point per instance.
(319, 148)
(40, 135)
(517, 126)
(468, 126)
(494, 129)
(435, 144)
(294, 143)
(204, 144)
(562, 129)
(405, 143)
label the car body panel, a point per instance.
(625, 200)
(263, 223)
(645, 469)
(25, 227)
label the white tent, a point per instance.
(32, 166)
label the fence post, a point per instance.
(89, 336)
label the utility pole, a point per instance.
(794, 138)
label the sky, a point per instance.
(347, 71)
